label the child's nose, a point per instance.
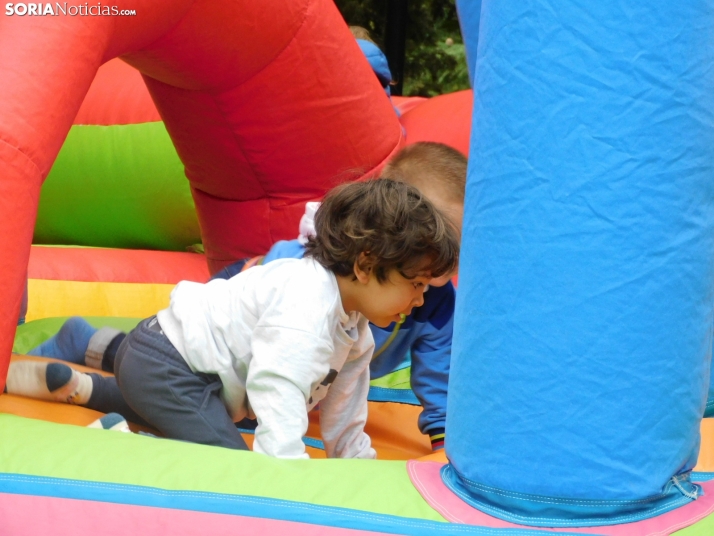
(419, 300)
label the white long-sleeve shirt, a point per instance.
(280, 341)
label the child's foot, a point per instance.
(70, 344)
(111, 421)
(49, 381)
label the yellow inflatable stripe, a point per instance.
(48, 298)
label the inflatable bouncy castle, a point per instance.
(583, 326)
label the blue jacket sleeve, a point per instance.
(285, 249)
(378, 61)
(431, 358)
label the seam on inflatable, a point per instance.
(431, 499)
(553, 500)
(308, 5)
(684, 523)
(444, 510)
(238, 144)
(217, 198)
(503, 514)
(694, 495)
(702, 476)
(23, 153)
(284, 503)
(148, 45)
(562, 522)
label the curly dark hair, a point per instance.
(391, 222)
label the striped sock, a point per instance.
(437, 436)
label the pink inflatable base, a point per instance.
(31, 514)
(426, 478)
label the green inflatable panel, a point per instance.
(705, 527)
(69, 452)
(119, 186)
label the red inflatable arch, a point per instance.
(444, 119)
(268, 103)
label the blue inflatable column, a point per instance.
(583, 331)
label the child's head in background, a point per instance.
(437, 171)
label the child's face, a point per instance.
(386, 302)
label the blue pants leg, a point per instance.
(107, 398)
(158, 384)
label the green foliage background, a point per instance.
(432, 66)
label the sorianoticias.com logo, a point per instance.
(73, 10)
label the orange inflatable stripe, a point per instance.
(706, 451)
(76, 415)
(390, 442)
(383, 425)
(47, 411)
(115, 265)
(393, 429)
(47, 298)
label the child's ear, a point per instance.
(363, 268)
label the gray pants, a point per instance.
(154, 383)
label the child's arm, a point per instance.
(343, 412)
(286, 363)
(431, 357)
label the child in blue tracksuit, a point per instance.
(374, 55)
(376, 59)
(423, 339)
